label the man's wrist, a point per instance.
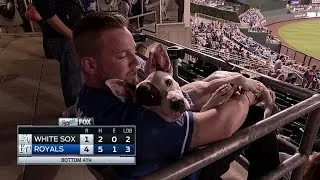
(70, 34)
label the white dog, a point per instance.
(159, 92)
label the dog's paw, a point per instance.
(221, 95)
(252, 85)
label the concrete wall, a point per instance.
(259, 37)
(274, 47)
(175, 32)
(276, 12)
(273, 5)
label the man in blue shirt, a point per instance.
(106, 50)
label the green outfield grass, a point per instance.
(303, 36)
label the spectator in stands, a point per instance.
(133, 25)
(138, 9)
(141, 49)
(89, 6)
(310, 77)
(107, 50)
(61, 16)
(180, 4)
(125, 7)
(278, 64)
(291, 78)
(164, 10)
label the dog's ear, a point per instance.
(118, 88)
(158, 60)
(147, 94)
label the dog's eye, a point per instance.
(168, 82)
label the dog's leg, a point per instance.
(220, 74)
(201, 91)
(221, 95)
(234, 80)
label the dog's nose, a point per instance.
(148, 95)
(178, 105)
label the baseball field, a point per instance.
(303, 36)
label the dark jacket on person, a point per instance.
(69, 12)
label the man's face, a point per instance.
(117, 59)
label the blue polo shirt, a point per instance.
(158, 143)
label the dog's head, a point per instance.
(162, 94)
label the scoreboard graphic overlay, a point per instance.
(92, 145)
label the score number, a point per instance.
(114, 139)
(86, 144)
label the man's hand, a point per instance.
(158, 60)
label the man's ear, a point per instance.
(118, 88)
(88, 64)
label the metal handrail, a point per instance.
(220, 149)
(213, 152)
(143, 15)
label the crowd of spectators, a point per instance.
(225, 39)
(211, 3)
(252, 19)
(303, 8)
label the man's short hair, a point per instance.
(87, 34)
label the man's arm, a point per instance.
(59, 26)
(48, 13)
(221, 122)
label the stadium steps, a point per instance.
(21, 64)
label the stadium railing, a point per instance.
(146, 21)
(213, 152)
(199, 15)
(299, 56)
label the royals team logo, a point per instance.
(180, 121)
